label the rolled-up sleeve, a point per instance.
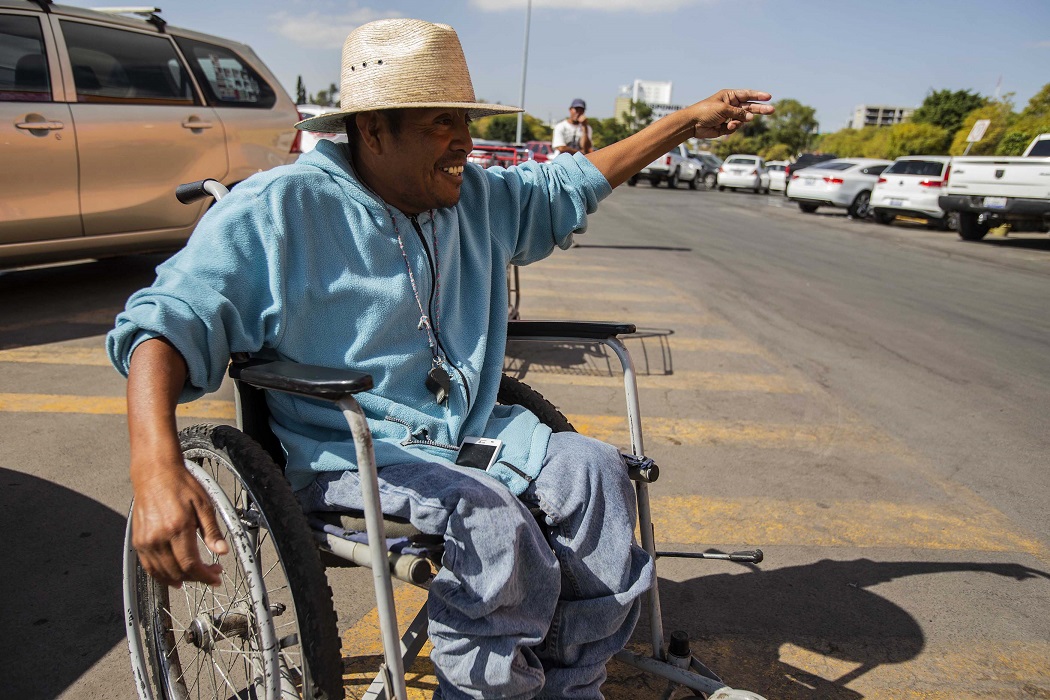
(215, 297)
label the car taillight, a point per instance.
(833, 180)
(882, 180)
(667, 161)
(947, 171)
(721, 169)
(930, 183)
(794, 177)
(754, 172)
(297, 142)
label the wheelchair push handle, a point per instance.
(191, 192)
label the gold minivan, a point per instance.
(102, 115)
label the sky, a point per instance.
(830, 55)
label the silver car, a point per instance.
(102, 115)
(843, 182)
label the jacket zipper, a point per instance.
(430, 304)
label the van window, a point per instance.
(23, 61)
(117, 66)
(926, 168)
(227, 80)
(741, 161)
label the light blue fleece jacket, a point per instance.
(302, 262)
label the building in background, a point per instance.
(879, 115)
(655, 93)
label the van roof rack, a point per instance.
(147, 13)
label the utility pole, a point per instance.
(524, 65)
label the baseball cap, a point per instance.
(578, 103)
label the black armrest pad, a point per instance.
(305, 380)
(596, 330)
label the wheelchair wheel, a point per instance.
(269, 631)
(516, 392)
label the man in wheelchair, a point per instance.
(388, 255)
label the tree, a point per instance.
(999, 114)
(793, 124)
(327, 98)
(1033, 120)
(910, 140)
(849, 143)
(947, 109)
(300, 91)
(778, 151)
(504, 127)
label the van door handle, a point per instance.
(41, 125)
(195, 124)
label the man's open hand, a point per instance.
(726, 111)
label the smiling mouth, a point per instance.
(453, 170)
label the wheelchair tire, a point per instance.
(516, 392)
(211, 641)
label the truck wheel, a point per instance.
(694, 184)
(632, 181)
(654, 181)
(672, 181)
(710, 181)
(808, 208)
(721, 188)
(970, 227)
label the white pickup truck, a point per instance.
(674, 167)
(994, 190)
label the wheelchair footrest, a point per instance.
(408, 563)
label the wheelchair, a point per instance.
(269, 630)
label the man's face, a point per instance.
(575, 113)
(424, 161)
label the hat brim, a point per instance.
(335, 122)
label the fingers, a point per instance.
(740, 97)
(210, 528)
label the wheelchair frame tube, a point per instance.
(645, 516)
(366, 467)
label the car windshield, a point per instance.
(741, 161)
(927, 168)
(1040, 149)
(833, 165)
(777, 167)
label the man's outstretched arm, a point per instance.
(722, 113)
(170, 506)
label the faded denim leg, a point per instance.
(495, 594)
(590, 501)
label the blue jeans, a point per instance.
(511, 614)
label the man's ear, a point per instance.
(372, 130)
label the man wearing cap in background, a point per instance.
(388, 255)
(573, 135)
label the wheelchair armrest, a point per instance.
(305, 380)
(590, 330)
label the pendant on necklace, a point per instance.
(439, 382)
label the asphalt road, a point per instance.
(864, 403)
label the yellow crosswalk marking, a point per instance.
(106, 405)
(699, 520)
(681, 381)
(57, 355)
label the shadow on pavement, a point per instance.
(61, 606)
(821, 611)
(65, 302)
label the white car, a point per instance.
(777, 174)
(910, 187)
(309, 139)
(843, 182)
(743, 172)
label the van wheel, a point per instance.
(884, 218)
(808, 208)
(861, 206)
(970, 227)
(632, 181)
(721, 188)
(694, 184)
(672, 181)
(710, 181)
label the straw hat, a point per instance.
(397, 63)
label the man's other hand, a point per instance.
(170, 508)
(726, 111)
